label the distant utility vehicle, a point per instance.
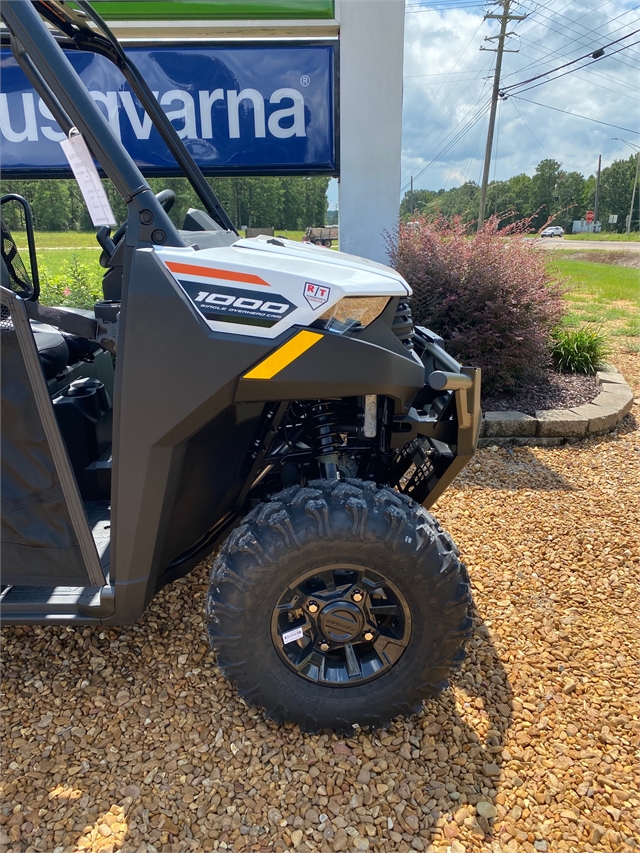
(322, 236)
(260, 397)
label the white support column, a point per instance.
(371, 57)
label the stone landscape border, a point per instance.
(552, 427)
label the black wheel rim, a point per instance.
(341, 625)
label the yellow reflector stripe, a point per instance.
(283, 357)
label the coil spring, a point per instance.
(324, 427)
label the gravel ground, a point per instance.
(130, 740)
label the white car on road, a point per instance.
(552, 231)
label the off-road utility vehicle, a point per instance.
(265, 398)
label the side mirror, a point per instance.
(27, 288)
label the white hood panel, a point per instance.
(264, 285)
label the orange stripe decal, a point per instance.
(210, 272)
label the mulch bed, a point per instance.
(555, 391)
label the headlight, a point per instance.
(352, 313)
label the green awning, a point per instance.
(202, 10)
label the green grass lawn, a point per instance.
(68, 262)
(55, 262)
(604, 282)
(604, 235)
(59, 240)
(62, 240)
(56, 249)
(605, 295)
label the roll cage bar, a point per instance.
(29, 38)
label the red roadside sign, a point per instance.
(589, 216)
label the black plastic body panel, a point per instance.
(340, 366)
(45, 535)
(177, 466)
(210, 476)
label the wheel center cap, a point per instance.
(341, 621)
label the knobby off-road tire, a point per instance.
(343, 524)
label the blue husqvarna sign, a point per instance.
(240, 109)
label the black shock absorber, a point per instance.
(326, 438)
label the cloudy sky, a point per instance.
(448, 79)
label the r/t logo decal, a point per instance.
(316, 294)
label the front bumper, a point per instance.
(439, 435)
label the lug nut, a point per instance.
(313, 607)
(324, 647)
(368, 635)
(357, 595)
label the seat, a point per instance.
(52, 349)
(58, 345)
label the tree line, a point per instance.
(551, 192)
(284, 203)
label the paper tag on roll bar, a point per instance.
(86, 174)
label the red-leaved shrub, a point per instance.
(488, 294)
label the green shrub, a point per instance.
(76, 286)
(579, 350)
(488, 294)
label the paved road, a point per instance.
(579, 245)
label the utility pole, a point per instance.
(633, 194)
(411, 197)
(504, 18)
(635, 180)
(595, 204)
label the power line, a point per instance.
(460, 138)
(472, 155)
(547, 57)
(589, 34)
(529, 129)
(597, 74)
(451, 4)
(446, 8)
(453, 76)
(446, 148)
(586, 65)
(411, 131)
(572, 62)
(559, 52)
(582, 37)
(451, 106)
(576, 115)
(495, 159)
(447, 77)
(458, 135)
(459, 123)
(472, 78)
(440, 74)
